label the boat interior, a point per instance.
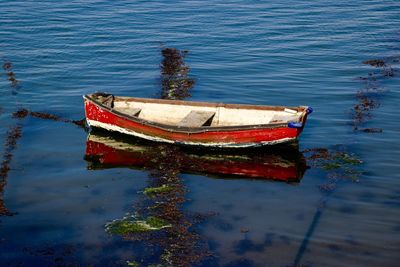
(197, 114)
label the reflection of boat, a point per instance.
(196, 123)
(103, 151)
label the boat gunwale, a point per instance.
(202, 129)
(205, 104)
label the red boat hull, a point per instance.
(100, 116)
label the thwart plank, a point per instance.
(196, 118)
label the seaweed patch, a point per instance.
(22, 113)
(131, 225)
(372, 130)
(375, 62)
(362, 111)
(180, 245)
(7, 66)
(153, 191)
(174, 75)
(10, 144)
(13, 134)
(339, 165)
(385, 66)
(368, 97)
(133, 263)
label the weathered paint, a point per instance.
(253, 135)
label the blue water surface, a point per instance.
(258, 52)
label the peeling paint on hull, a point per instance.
(115, 128)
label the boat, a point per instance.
(104, 151)
(196, 123)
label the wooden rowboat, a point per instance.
(284, 164)
(196, 123)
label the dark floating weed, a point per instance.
(15, 133)
(386, 67)
(372, 130)
(47, 116)
(22, 113)
(375, 62)
(9, 146)
(340, 165)
(179, 244)
(7, 66)
(81, 123)
(362, 111)
(368, 97)
(244, 230)
(174, 75)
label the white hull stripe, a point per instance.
(111, 127)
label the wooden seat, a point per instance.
(134, 112)
(196, 118)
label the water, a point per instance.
(279, 53)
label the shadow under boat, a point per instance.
(280, 163)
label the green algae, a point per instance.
(132, 225)
(347, 159)
(338, 164)
(155, 222)
(132, 263)
(180, 244)
(331, 166)
(340, 160)
(151, 191)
